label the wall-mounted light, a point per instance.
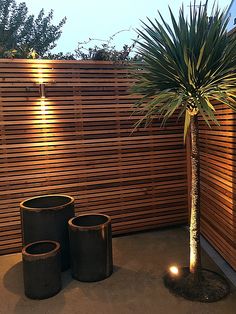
(42, 90)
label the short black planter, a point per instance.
(91, 247)
(42, 269)
(46, 218)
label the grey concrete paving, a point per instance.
(135, 286)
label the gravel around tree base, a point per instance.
(211, 288)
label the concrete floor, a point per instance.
(135, 286)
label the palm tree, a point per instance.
(186, 68)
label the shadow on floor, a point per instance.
(13, 279)
(124, 285)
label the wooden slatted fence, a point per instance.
(79, 141)
(218, 183)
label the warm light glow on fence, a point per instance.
(43, 103)
(44, 112)
(41, 82)
(43, 107)
(40, 76)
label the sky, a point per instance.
(100, 19)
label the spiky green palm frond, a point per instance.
(187, 65)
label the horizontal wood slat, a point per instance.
(79, 140)
(218, 188)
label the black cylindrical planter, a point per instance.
(42, 269)
(91, 247)
(46, 218)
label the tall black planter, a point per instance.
(91, 247)
(41, 269)
(46, 218)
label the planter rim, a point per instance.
(25, 253)
(71, 200)
(94, 227)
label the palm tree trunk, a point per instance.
(195, 248)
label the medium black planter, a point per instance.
(42, 269)
(91, 247)
(46, 218)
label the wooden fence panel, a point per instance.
(218, 185)
(78, 141)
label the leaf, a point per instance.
(200, 56)
(191, 60)
(210, 105)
